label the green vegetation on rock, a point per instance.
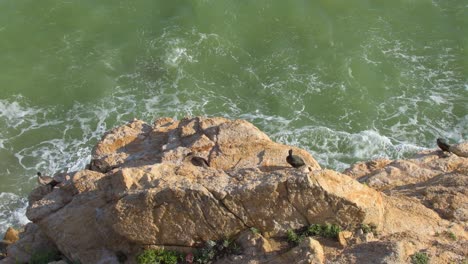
(159, 256)
(212, 250)
(44, 257)
(216, 250)
(369, 228)
(419, 258)
(324, 230)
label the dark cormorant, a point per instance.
(294, 160)
(443, 145)
(46, 180)
(197, 161)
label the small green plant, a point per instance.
(314, 230)
(254, 230)
(331, 231)
(370, 228)
(159, 256)
(228, 247)
(419, 258)
(216, 250)
(451, 235)
(206, 254)
(44, 257)
(293, 237)
(326, 230)
(448, 234)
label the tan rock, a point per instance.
(309, 251)
(438, 181)
(258, 249)
(32, 241)
(254, 245)
(460, 149)
(140, 201)
(344, 237)
(141, 191)
(11, 235)
(373, 252)
(227, 144)
(389, 174)
(360, 169)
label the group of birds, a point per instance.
(293, 160)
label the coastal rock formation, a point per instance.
(31, 241)
(140, 191)
(11, 236)
(437, 180)
(460, 149)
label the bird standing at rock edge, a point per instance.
(443, 145)
(197, 161)
(294, 160)
(46, 180)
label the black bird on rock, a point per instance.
(443, 145)
(46, 180)
(294, 160)
(197, 161)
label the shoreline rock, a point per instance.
(140, 192)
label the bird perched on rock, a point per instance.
(443, 145)
(294, 160)
(197, 161)
(46, 180)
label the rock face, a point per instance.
(140, 190)
(31, 241)
(436, 179)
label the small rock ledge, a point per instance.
(141, 191)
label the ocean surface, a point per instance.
(346, 80)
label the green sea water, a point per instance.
(346, 80)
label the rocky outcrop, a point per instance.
(437, 179)
(142, 191)
(32, 241)
(11, 236)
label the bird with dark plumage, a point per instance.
(197, 161)
(294, 160)
(443, 145)
(46, 180)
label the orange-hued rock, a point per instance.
(32, 241)
(438, 180)
(142, 191)
(11, 235)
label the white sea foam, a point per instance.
(278, 99)
(12, 211)
(16, 114)
(339, 149)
